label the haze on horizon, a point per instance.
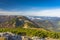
(30, 7)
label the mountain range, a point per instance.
(16, 21)
(49, 23)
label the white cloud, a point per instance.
(50, 12)
(2, 12)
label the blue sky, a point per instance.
(28, 4)
(30, 7)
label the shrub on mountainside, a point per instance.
(31, 32)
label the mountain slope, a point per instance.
(16, 21)
(25, 22)
(50, 23)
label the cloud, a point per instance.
(49, 12)
(4, 12)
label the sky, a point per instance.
(30, 7)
